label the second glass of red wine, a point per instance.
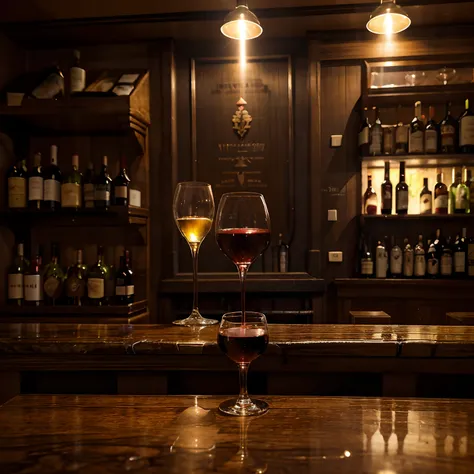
(243, 343)
(243, 231)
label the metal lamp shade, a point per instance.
(241, 23)
(388, 18)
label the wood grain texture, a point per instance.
(109, 434)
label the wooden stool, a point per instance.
(460, 319)
(370, 317)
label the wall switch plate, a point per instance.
(335, 257)
(336, 141)
(332, 215)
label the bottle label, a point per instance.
(33, 288)
(416, 142)
(364, 136)
(78, 79)
(89, 195)
(459, 262)
(102, 193)
(431, 141)
(16, 192)
(366, 267)
(448, 134)
(71, 195)
(441, 204)
(396, 262)
(95, 288)
(401, 134)
(433, 266)
(371, 205)
(388, 140)
(35, 189)
(75, 287)
(470, 259)
(52, 287)
(15, 286)
(50, 87)
(127, 290)
(376, 142)
(386, 198)
(381, 263)
(402, 200)
(420, 265)
(52, 190)
(425, 204)
(466, 131)
(121, 192)
(446, 265)
(408, 264)
(462, 197)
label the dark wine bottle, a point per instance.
(16, 184)
(466, 130)
(416, 139)
(53, 278)
(103, 186)
(401, 135)
(401, 192)
(76, 282)
(440, 196)
(387, 191)
(15, 279)
(426, 199)
(52, 182)
(36, 184)
(364, 134)
(376, 134)
(124, 288)
(120, 185)
(448, 132)
(431, 133)
(370, 198)
(96, 281)
(89, 187)
(34, 282)
(459, 259)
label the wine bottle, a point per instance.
(470, 185)
(431, 133)
(408, 259)
(416, 136)
(420, 262)
(461, 203)
(370, 198)
(470, 257)
(388, 140)
(53, 278)
(283, 254)
(440, 196)
(448, 132)
(89, 187)
(120, 185)
(364, 134)
(426, 198)
(446, 262)
(460, 255)
(401, 135)
(51, 85)
(387, 191)
(381, 260)
(36, 184)
(396, 260)
(96, 281)
(76, 282)
(376, 135)
(71, 189)
(77, 74)
(52, 182)
(124, 288)
(33, 282)
(16, 183)
(401, 192)
(16, 274)
(111, 271)
(366, 262)
(456, 179)
(466, 130)
(103, 185)
(432, 262)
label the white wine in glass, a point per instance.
(193, 209)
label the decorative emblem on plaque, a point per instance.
(242, 120)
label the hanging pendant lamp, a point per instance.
(241, 23)
(388, 18)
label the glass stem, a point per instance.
(242, 276)
(195, 254)
(243, 399)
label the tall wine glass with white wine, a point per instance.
(193, 209)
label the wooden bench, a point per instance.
(370, 317)
(460, 319)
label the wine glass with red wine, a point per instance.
(243, 343)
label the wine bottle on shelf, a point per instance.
(89, 187)
(53, 278)
(432, 262)
(448, 132)
(441, 196)
(431, 133)
(459, 257)
(420, 261)
(461, 203)
(121, 184)
(387, 191)
(470, 185)
(416, 136)
(470, 257)
(363, 137)
(96, 281)
(51, 84)
(446, 261)
(52, 182)
(381, 260)
(408, 259)
(370, 198)
(456, 178)
(466, 130)
(376, 135)
(76, 282)
(103, 186)
(426, 199)
(36, 184)
(283, 254)
(77, 74)
(388, 140)
(401, 135)
(366, 262)
(16, 183)
(71, 189)
(401, 192)
(396, 260)
(111, 271)
(16, 274)
(33, 282)
(124, 288)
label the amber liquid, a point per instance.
(194, 229)
(241, 344)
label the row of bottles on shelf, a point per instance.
(437, 258)
(458, 199)
(31, 283)
(420, 136)
(48, 188)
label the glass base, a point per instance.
(195, 319)
(254, 408)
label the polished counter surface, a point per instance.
(120, 434)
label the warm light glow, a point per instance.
(241, 24)
(347, 454)
(388, 25)
(243, 48)
(388, 19)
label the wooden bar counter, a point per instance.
(300, 359)
(112, 434)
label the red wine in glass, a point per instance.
(241, 344)
(243, 245)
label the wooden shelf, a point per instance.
(114, 216)
(424, 161)
(416, 217)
